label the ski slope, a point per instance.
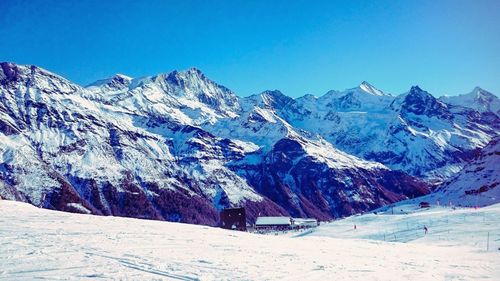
(44, 244)
(448, 227)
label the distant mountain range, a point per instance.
(181, 147)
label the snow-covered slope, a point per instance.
(44, 244)
(405, 221)
(478, 184)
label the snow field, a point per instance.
(43, 244)
(460, 227)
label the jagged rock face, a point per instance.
(9, 73)
(180, 147)
(193, 84)
(420, 102)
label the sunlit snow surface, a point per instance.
(43, 244)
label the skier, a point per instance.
(425, 229)
(354, 227)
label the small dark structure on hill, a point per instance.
(233, 218)
(424, 204)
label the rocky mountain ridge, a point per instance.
(180, 147)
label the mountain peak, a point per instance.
(479, 92)
(421, 102)
(194, 85)
(117, 81)
(181, 77)
(370, 89)
(365, 84)
(478, 99)
(273, 93)
(273, 99)
(194, 70)
(416, 89)
(191, 73)
(122, 76)
(418, 93)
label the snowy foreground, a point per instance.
(44, 244)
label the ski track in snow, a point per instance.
(44, 244)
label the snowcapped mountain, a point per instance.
(479, 99)
(73, 149)
(478, 184)
(180, 147)
(413, 132)
(117, 82)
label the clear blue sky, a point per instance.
(298, 47)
